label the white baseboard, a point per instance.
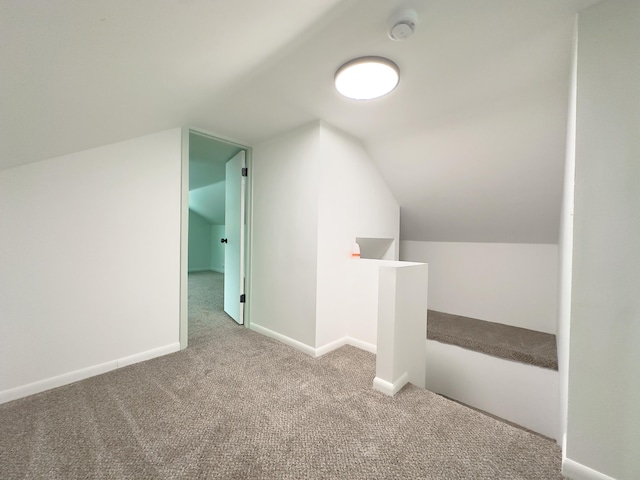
(354, 342)
(148, 355)
(341, 342)
(369, 347)
(83, 373)
(578, 471)
(309, 350)
(284, 339)
(389, 388)
(217, 269)
(198, 270)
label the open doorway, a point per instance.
(213, 277)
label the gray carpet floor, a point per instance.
(238, 405)
(504, 341)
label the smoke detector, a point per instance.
(402, 24)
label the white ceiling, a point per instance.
(471, 142)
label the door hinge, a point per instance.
(242, 298)
(245, 172)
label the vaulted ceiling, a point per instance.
(471, 142)
(207, 174)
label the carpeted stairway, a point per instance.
(503, 341)
(238, 405)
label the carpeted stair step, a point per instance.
(496, 339)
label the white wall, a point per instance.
(520, 393)
(354, 201)
(603, 431)
(314, 191)
(285, 234)
(90, 255)
(513, 284)
(217, 248)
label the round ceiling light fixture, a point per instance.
(366, 78)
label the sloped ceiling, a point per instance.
(471, 142)
(207, 173)
(208, 201)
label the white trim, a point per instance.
(148, 355)
(362, 345)
(217, 269)
(341, 342)
(284, 339)
(577, 471)
(83, 373)
(315, 352)
(184, 240)
(389, 388)
(248, 245)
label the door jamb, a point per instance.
(184, 229)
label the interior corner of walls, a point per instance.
(362, 345)
(303, 347)
(327, 127)
(341, 342)
(329, 347)
(324, 126)
(314, 125)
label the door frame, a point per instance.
(184, 229)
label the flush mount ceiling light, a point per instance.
(366, 78)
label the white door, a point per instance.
(234, 236)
